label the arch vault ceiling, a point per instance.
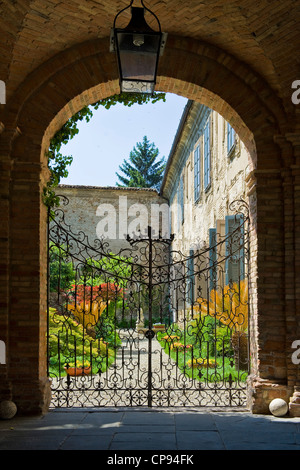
(265, 34)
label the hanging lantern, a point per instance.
(138, 48)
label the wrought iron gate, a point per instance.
(148, 326)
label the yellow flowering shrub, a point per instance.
(229, 306)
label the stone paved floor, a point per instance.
(160, 430)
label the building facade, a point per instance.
(207, 171)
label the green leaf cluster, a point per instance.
(111, 268)
(62, 273)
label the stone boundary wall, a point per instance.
(112, 213)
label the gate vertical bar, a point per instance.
(150, 333)
(48, 284)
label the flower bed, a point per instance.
(198, 363)
(70, 345)
(202, 355)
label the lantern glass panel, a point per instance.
(138, 55)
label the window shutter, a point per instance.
(212, 258)
(196, 173)
(234, 265)
(180, 203)
(182, 198)
(207, 155)
(179, 215)
(190, 277)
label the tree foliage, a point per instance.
(144, 169)
(59, 163)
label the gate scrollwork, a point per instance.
(149, 325)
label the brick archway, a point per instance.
(83, 74)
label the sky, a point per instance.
(107, 140)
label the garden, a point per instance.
(83, 335)
(94, 306)
(213, 345)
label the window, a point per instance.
(230, 138)
(207, 155)
(197, 173)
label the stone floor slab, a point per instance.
(150, 430)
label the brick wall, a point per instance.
(56, 88)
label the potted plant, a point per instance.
(159, 327)
(78, 368)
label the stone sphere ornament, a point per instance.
(8, 409)
(278, 407)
